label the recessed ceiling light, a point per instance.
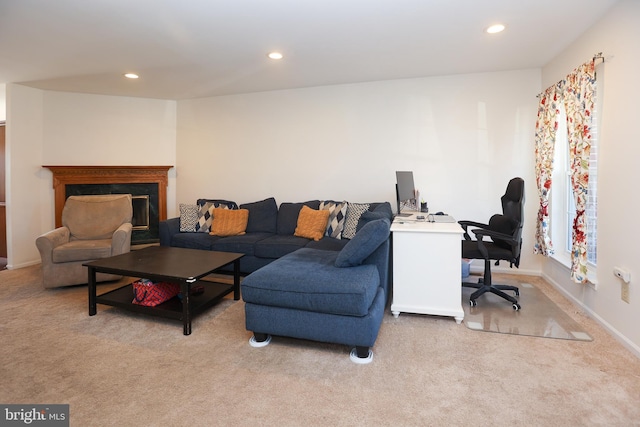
(131, 76)
(497, 28)
(275, 55)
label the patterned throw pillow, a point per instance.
(337, 214)
(354, 212)
(189, 215)
(206, 216)
(311, 223)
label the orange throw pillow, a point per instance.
(229, 222)
(312, 223)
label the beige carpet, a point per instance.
(538, 316)
(121, 369)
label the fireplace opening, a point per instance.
(140, 220)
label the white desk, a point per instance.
(427, 277)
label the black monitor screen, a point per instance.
(406, 188)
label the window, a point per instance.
(562, 201)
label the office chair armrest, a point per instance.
(494, 235)
(466, 224)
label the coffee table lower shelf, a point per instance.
(186, 267)
(172, 309)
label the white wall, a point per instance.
(617, 36)
(57, 128)
(3, 103)
(85, 129)
(463, 136)
(25, 196)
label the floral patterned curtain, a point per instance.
(579, 104)
(546, 127)
(577, 95)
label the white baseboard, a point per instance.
(22, 265)
(480, 270)
(633, 348)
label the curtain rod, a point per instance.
(594, 59)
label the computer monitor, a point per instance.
(405, 189)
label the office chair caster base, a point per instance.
(473, 303)
(516, 306)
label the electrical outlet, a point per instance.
(622, 274)
(624, 294)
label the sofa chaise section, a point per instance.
(322, 295)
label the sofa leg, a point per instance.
(361, 355)
(259, 339)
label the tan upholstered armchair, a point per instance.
(93, 227)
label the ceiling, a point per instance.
(200, 48)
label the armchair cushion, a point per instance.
(82, 250)
(95, 217)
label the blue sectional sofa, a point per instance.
(269, 234)
(333, 290)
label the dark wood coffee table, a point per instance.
(166, 264)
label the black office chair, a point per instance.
(505, 232)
